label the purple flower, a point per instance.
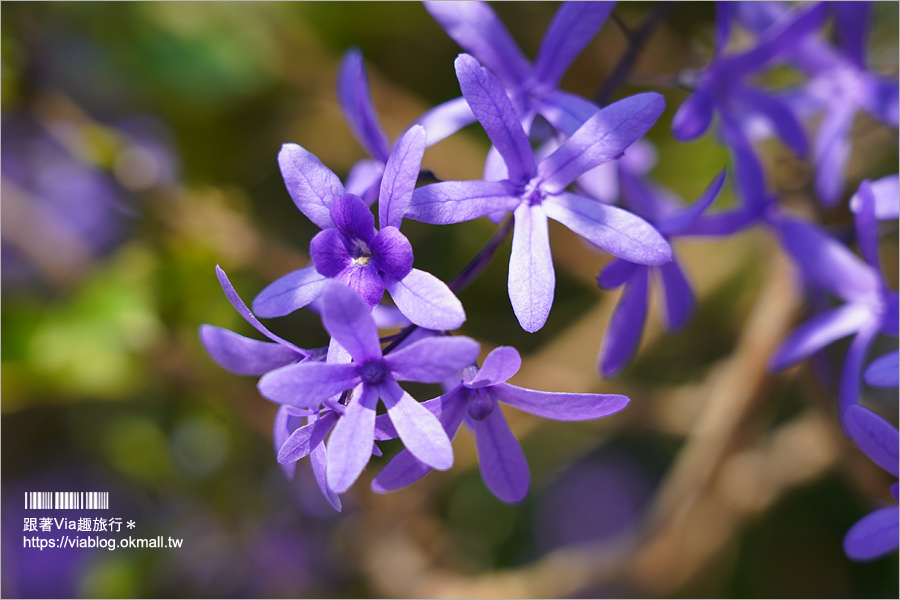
(533, 89)
(536, 191)
(474, 400)
(869, 307)
(372, 376)
(350, 249)
(627, 322)
(876, 534)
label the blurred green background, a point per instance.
(139, 151)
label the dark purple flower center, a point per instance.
(360, 254)
(480, 404)
(532, 193)
(372, 372)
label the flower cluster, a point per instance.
(558, 156)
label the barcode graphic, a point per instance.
(66, 500)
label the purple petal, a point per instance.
(851, 23)
(678, 295)
(874, 436)
(305, 439)
(617, 231)
(353, 218)
(364, 179)
(446, 119)
(692, 118)
(573, 27)
(567, 112)
(531, 276)
(350, 444)
(686, 218)
(560, 406)
(625, 326)
(400, 176)
(502, 363)
(419, 430)
(307, 384)
(365, 281)
(874, 535)
(330, 254)
(832, 150)
(458, 201)
(432, 360)
(244, 356)
(475, 27)
(402, 470)
(887, 198)
(615, 273)
(290, 292)
(319, 461)
(357, 106)
(239, 305)
(848, 394)
(779, 115)
(604, 137)
(311, 184)
(818, 332)
(867, 225)
(779, 39)
(346, 317)
(448, 408)
(427, 301)
(826, 263)
(494, 110)
(392, 252)
(286, 422)
(880, 98)
(723, 26)
(500, 458)
(884, 372)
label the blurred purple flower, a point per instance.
(372, 376)
(876, 534)
(627, 322)
(474, 400)
(536, 191)
(350, 250)
(884, 371)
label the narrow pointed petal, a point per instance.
(319, 461)
(867, 225)
(560, 406)
(881, 98)
(346, 317)
(458, 201)
(427, 301)
(680, 222)
(693, 117)
(852, 28)
(305, 439)
(445, 119)
(567, 112)
(887, 198)
(392, 252)
(476, 28)
(239, 305)
(290, 292)
(356, 104)
(884, 372)
(832, 150)
(826, 263)
(500, 458)
(502, 363)
(678, 295)
(573, 27)
(364, 179)
(449, 409)
(400, 176)
(604, 137)
(874, 535)
(494, 110)
(419, 430)
(616, 273)
(285, 423)
(402, 470)
(784, 35)
(818, 332)
(307, 384)
(531, 276)
(433, 359)
(353, 218)
(350, 444)
(312, 185)
(617, 231)
(242, 355)
(874, 436)
(625, 326)
(780, 116)
(851, 373)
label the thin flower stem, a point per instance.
(637, 39)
